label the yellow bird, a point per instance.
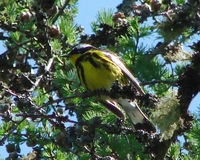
(100, 69)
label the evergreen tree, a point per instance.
(43, 105)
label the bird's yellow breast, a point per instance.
(96, 71)
(101, 77)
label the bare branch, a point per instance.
(60, 11)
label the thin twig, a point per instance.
(60, 11)
(63, 118)
(2, 141)
(47, 69)
(15, 47)
(158, 81)
(159, 49)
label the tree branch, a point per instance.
(189, 86)
(60, 11)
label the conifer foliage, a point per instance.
(44, 107)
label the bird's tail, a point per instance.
(137, 117)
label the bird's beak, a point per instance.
(65, 56)
(69, 53)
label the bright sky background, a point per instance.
(88, 10)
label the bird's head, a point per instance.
(78, 51)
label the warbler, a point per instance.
(99, 69)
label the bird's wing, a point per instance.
(112, 106)
(126, 72)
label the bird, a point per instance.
(99, 69)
